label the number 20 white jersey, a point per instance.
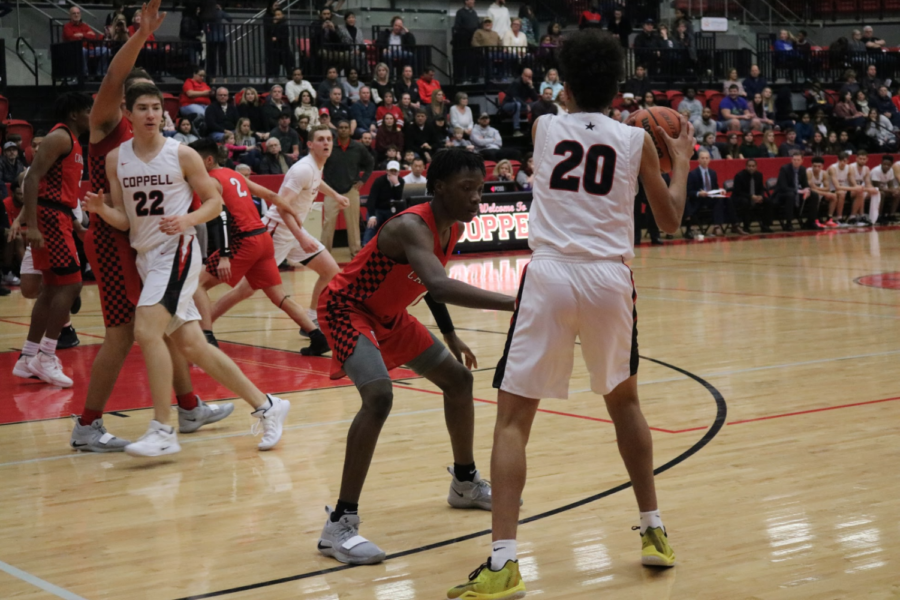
(586, 168)
(151, 191)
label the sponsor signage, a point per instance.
(501, 224)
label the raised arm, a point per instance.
(668, 202)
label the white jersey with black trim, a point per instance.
(857, 175)
(586, 168)
(817, 182)
(877, 175)
(152, 190)
(303, 178)
(841, 176)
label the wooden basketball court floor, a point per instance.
(769, 379)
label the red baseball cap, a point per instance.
(324, 111)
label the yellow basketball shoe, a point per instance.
(485, 584)
(655, 548)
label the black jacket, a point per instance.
(270, 165)
(519, 90)
(412, 89)
(621, 30)
(256, 116)
(415, 137)
(342, 168)
(464, 27)
(272, 113)
(381, 194)
(785, 186)
(9, 171)
(638, 87)
(384, 38)
(742, 184)
(218, 120)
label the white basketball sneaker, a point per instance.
(48, 369)
(469, 494)
(190, 421)
(271, 419)
(158, 441)
(95, 438)
(341, 541)
(20, 369)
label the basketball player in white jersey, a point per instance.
(299, 188)
(820, 183)
(152, 180)
(884, 177)
(839, 173)
(859, 176)
(581, 231)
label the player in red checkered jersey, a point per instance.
(113, 262)
(51, 193)
(363, 313)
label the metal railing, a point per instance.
(22, 46)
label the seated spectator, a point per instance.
(486, 36)
(415, 173)
(325, 37)
(628, 104)
(303, 133)
(784, 45)
(862, 102)
(755, 83)
(351, 35)
(287, 137)
(734, 113)
(168, 125)
(76, 30)
(817, 145)
(514, 40)
(244, 147)
(850, 84)
(705, 125)
(870, 81)
(762, 114)
(436, 108)
(388, 107)
(325, 119)
(119, 33)
(732, 80)
(648, 101)
(790, 144)
(804, 130)
(590, 17)
(351, 85)
(368, 142)
(503, 171)
(551, 81)
(748, 147)
(407, 85)
(883, 104)
(185, 133)
(525, 176)
(519, 96)
(880, 133)
(329, 83)
(390, 154)
(408, 110)
(545, 105)
(709, 146)
(847, 114)
(274, 161)
(459, 139)
(819, 123)
(306, 108)
(17, 139)
(362, 114)
(441, 132)
(563, 108)
(336, 107)
(384, 199)
(816, 98)
(421, 137)
(768, 148)
(221, 115)
(487, 140)
(732, 148)
(409, 157)
(195, 95)
(249, 108)
(749, 192)
(845, 144)
(461, 114)
(275, 106)
(10, 167)
(381, 82)
(427, 85)
(396, 43)
(792, 190)
(639, 84)
(690, 102)
(243, 134)
(832, 145)
(388, 134)
(296, 85)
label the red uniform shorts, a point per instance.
(57, 259)
(252, 257)
(112, 260)
(399, 341)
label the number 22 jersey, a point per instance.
(152, 190)
(586, 169)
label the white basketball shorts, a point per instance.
(171, 273)
(287, 247)
(27, 266)
(561, 299)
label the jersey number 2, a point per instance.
(155, 197)
(240, 191)
(560, 180)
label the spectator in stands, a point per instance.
(351, 85)
(765, 118)
(503, 171)
(755, 83)
(732, 79)
(801, 43)
(441, 132)
(734, 113)
(275, 107)
(336, 108)
(307, 108)
(416, 170)
(748, 147)
(845, 143)
(545, 105)
(749, 192)
(325, 37)
(221, 115)
(437, 108)
(790, 145)
(873, 44)
(352, 35)
(733, 148)
(296, 85)
(185, 133)
(303, 133)
(243, 136)
(551, 81)
(459, 140)
(420, 136)
(368, 142)
(486, 139)
(10, 167)
(620, 26)
(388, 107)
(816, 98)
(847, 114)
(189, 32)
(648, 101)
(684, 41)
(17, 140)
(705, 125)
(461, 114)
(274, 161)
(692, 104)
(792, 190)
(709, 146)
(785, 43)
(519, 96)
(832, 145)
(362, 114)
(819, 123)
(279, 52)
(870, 81)
(627, 107)
(217, 42)
(384, 197)
(465, 25)
(525, 176)
(850, 84)
(119, 34)
(427, 85)
(883, 104)
(249, 108)
(817, 145)
(408, 110)
(529, 23)
(647, 47)
(396, 43)
(381, 83)
(342, 172)
(329, 83)
(390, 153)
(76, 30)
(804, 130)
(700, 182)
(862, 102)
(500, 16)
(880, 132)
(590, 17)
(639, 84)
(856, 48)
(515, 41)
(486, 36)
(288, 138)
(407, 85)
(195, 95)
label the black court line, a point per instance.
(718, 423)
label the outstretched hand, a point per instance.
(681, 147)
(151, 18)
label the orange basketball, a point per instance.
(663, 117)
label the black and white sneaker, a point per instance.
(68, 338)
(318, 345)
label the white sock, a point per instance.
(68, 324)
(874, 204)
(503, 551)
(30, 348)
(650, 519)
(48, 346)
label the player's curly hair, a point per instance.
(591, 64)
(71, 102)
(449, 162)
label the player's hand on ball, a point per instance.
(343, 201)
(174, 225)
(459, 349)
(681, 147)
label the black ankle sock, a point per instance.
(344, 508)
(464, 472)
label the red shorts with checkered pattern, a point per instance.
(400, 341)
(112, 259)
(251, 257)
(57, 259)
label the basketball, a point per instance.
(666, 118)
